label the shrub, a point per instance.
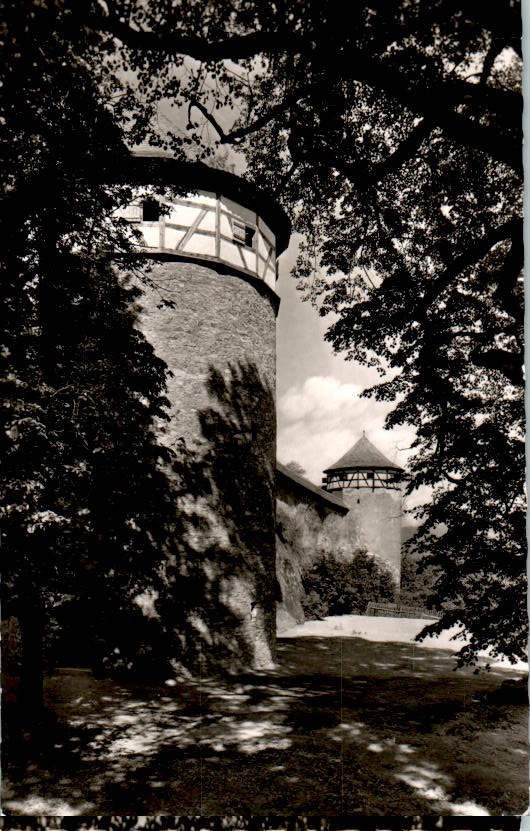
(338, 587)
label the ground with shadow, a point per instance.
(342, 726)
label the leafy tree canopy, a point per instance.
(392, 133)
(340, 587)
(296, 467)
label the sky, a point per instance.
(319, 409)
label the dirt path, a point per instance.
(344, 726)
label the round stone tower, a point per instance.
(369, 484)
(209, 310)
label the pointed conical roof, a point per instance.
(363, 454)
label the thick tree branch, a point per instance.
(360, 173)
(175, 42)
(441, 101)
(208, 116)
(363, 176)
(496, 46)
(510, 363)
(235, 136)
(512, 229)
(403, 152)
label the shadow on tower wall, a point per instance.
(130, 553)
(222, 571)
(197, 588)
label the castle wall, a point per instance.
(214, 320)
(217, 337)
(305, 532)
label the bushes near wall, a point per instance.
(339, 587)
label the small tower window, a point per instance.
(243, 234)
(151, 210)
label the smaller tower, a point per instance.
(369, 484)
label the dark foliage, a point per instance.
(80, 385)
(91, 513)
(339, 587)
(417, 583)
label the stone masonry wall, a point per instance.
(303, 534)
(375, 517)
(217, 336)
(216, 319)
(306, 530)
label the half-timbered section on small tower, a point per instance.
(210, 240)
(370, 485)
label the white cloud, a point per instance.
(321, 419)
(319, 398)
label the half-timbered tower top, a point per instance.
(211, 216)
(363, 466)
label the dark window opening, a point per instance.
(151, 210)
(249, 236)
(243, 234)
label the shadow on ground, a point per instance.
(342, 726)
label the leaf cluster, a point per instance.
(345, 587)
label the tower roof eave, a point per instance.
(329, 500)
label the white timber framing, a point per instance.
(371, 478)
(262, 247)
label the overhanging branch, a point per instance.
(175, 42)
(235, 136)
(475, 115)
(512, 229)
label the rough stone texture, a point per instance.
(289, 575)
(375, 518)
(218, 339)
(217, 319)
(304, 532)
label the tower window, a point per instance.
(243, 234)
(151, 210)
